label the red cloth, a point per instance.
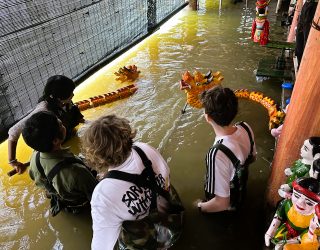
(264, 38)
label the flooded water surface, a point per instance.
(197, 40)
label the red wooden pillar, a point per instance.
(292, 33)
(303, 117)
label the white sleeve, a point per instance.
(106, 227)
(224, 172)
(15, 131)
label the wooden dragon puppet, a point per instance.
(107, 98)
(195, 84)
(276, 115)
(127, 73)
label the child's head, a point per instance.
(220, 104)
(59, 87)
(107, 142)
(42, 130)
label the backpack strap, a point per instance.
(235, 161)
(61, 165)
(55, 170)
(47, 183)
(242, 124)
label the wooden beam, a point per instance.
(303, 117)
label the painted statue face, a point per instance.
(302, 203)
(306, 151)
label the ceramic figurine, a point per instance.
(310, 151)
(293, 216)
(260, 25)
(309, 241)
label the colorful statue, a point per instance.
(127, 73)
(195, 84)
(308, 241)
(293, 216)
(260, 26)
(310, 151)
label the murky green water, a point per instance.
(201, 40)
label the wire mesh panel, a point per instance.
(165, 7)
(41, 38)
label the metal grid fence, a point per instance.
(41, 38)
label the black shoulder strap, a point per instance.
(145, 179)
(242, 124)
(59, 166)
(146, 162)
(47, 183)
(133, 178)
(39, 166)
(151, 175)
(235, 161)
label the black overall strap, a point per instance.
(151, 175)
(235, 161)
(145, 179)
(242, 124)
(133, 178)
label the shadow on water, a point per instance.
(201, 40)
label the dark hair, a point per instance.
(40, 130)
(220, 104)
(316, 167)
(315, 142)
(309, 183)
(58, 86)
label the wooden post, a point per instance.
(292, 33)
(193, 4)
(303, 117)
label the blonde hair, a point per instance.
(107, 142)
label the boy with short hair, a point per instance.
(233, 150)
(67, 180)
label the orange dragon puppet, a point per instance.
(195, 84)
(99, 100)
(276, 116)
(127, 73)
